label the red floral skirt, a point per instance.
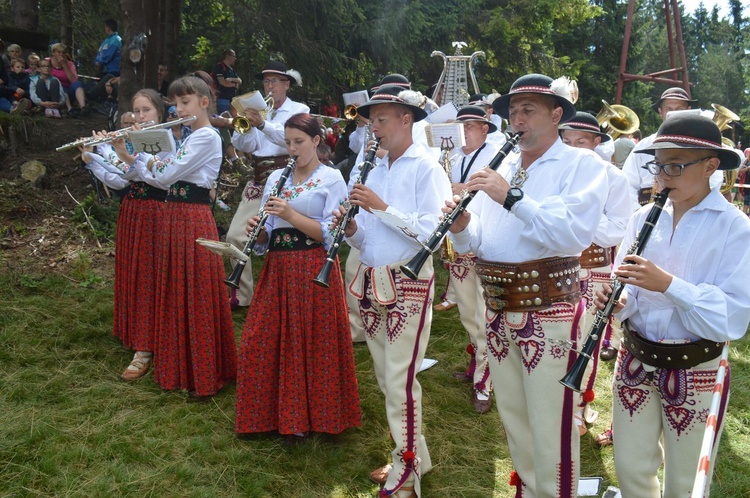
(194, 341)
(135, 272)
(296, 364)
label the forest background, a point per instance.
(347, 45)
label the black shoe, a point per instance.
(85, 111)
(74, 113)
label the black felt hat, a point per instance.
(583, 121)
(693, 131)
(478, 99)
(276, 67)
(391, 94)
(534, 83)
(394, 79)
(475, 113)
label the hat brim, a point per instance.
(604, 136)
(493, 126)
(260, 76)
(500, 105)
(728, 159)
(364, 109)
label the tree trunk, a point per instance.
(66, 24)
(138, 16)
(25, 14)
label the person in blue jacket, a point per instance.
(108, 57)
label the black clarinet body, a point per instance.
(574, 376)
(414, 266)
(338, 233)
(233, 280)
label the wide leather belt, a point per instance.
(264, 165)
(596, 256)
(644, 195)
(669, 356)
(529, 286)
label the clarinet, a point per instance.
(574, 377)
(338, 232)
(413, 267)
(233, 280)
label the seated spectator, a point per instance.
(48, 93)
(19, 78)
(108, 57)
(64, 70)
(13, 52)
(11, 94)
(32, 61)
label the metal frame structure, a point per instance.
(676, 75)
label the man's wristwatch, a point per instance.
(515, 194)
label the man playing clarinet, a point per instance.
(528, 225)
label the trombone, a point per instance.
(240, 123)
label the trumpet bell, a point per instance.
(241, 124)
(619, 119)
(723, 117)
(350, 112)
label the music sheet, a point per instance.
(152, 141)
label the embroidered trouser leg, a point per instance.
(249, 206)
(660, 417)
(592, 280)
(397, 314)
(468, 294)
(536, 410)
(355, 320)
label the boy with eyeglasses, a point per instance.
(48, 92)
(685, 296)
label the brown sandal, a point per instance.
(604, 439)
(139, 366)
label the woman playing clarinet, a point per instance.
(296, 365)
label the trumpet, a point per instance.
(350, 112)
(338, 234)
(574, 377)
(240, 123)
(619, 119)
(86, 141)
(414, 266)
(233, 280)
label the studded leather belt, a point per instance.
(644, 195)
(669, 356)
(596, 256)
(529, 286)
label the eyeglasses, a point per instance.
(272, 81)
(670, 169)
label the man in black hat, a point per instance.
(407, 184)
(685, 295)
(484, 101)
(462, 275)
(584, 132)
(528, 225)
(265, 141)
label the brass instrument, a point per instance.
(88, 141)
(723, 117)
(233, 280)
(574, 377)
(350, 112)
(618, 119)
(445, 161)
(240, 123)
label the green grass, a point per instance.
(70, 427)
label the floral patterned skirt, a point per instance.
(296, 364)
(135, 273)
(194, 343)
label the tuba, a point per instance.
(617, 119)
(240, 122)
(724, 118)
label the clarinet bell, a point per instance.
(414, 266)
(325, 274)
(574, 377)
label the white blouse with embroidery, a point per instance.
(317, 198)
(197, 161)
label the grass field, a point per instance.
(70, 427)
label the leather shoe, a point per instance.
(445, 306)
(380, 475)
(482, 406)
(139, 367)
(607, 353)
(462, 377)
